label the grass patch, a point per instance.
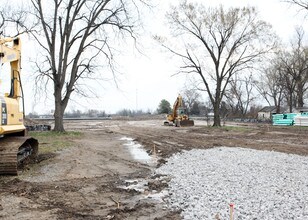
(231, 128)
(51, 141)
(236, 128)
(290, 128)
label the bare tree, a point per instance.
(301, 3)
(271, 84)
(190, 96)
(240, 94)
(2, 19)
(294, 66)
(219, 43)
(286, 77)
(300, 52)
(77, 36)
(289, 77)
(12, 20)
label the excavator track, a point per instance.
(14, 151)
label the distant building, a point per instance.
(265, 114)
(300, 109)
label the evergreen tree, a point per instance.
(164, 107)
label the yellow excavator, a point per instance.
(178, 117)
(15, 147)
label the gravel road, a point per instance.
(260, 184)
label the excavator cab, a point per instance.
(15, 147)
(181, 111)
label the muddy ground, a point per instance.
(98, 177)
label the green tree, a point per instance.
(164, 107)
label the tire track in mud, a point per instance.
(71, 196)
(89, 197)
(172, 140)
(166, 142)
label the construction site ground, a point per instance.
(98, 177)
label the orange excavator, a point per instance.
(15, 146)
(178, 117)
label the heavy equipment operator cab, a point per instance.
(181, 111)
(15, 147)
(11, 109)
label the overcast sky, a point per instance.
(147, 79)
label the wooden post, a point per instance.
(154, 150)
(231, 211)
(115, 201)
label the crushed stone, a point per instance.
(261, 184)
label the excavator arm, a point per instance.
(178, 102)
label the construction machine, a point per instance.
(15, 147)
(178, 117)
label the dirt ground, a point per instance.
(98, 178)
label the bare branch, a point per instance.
(222, 43)
(75, 35)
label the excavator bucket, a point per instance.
(187, 123)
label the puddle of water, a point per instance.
(141, 185)
(138, 152)
(158, 196)
(152, 124)
(111, 126)
(126, 139)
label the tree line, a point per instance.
(234, 56)
(196, 107)
(285, 80)
(222, 49)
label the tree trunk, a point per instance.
(291, 102)
(216, 115)
(300, 97)
(59, 112)
(58, 118)
(278, 109)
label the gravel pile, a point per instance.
(261, 184)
